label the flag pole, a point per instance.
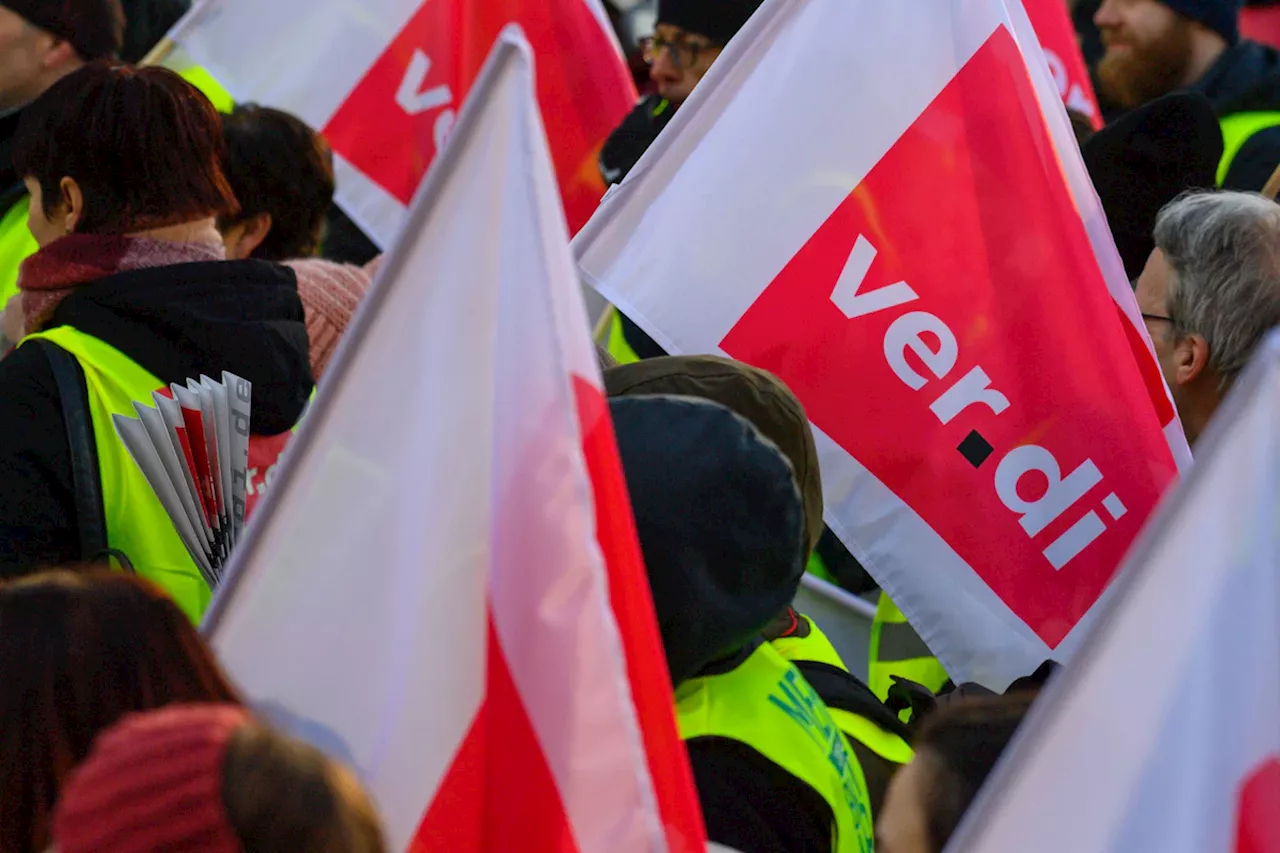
(159, 53)
(509, 47)
(601, 332)
(165, 47)
(1272, 186)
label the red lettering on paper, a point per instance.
(949, 327)
(394, 121)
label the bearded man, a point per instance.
(1154, 47)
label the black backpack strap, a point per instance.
(843, 691)
(86, 477)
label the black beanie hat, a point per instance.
(1145, 159)
(718, 20)
(720, 524)
(95, 28)
(1221, 16)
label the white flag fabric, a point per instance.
(884, 205)
(1164, 732)
(429, 590)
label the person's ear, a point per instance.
(256, 229)
(1191, 358)
(71, 204)
(58, 54)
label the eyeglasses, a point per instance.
(684, 53)
(1157, 317)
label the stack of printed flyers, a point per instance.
(193, 449)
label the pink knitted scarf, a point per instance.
(53, 273)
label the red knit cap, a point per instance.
(153, 782)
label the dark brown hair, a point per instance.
(77, 653)
(144, 145)
(278, 165)
(960, 745)
(282, 795)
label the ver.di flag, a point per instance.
(884, 205)
(1164, 732)
(444, 585)
(384, 79)
(1061, 46)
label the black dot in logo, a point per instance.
(975, 448)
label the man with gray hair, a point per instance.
(1210, 292)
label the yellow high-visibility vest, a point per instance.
(211, 88)
(1237, 129)
(766, 704)
(896, 649)
(136, 521)
(817, 648)
(16, 245)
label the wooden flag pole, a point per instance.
(1272, 186)
(159, 53)
(601, 332)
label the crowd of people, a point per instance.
(147, 238)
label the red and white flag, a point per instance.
(444, 585)
(884, 205)
(1061, 46)
(1164, 732)
(384, 79)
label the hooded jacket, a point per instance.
(175, 321)
(771, 407)
(756, 395)
(1246, 79)
(721, 527)
(630, 139)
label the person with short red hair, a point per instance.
(124, 167)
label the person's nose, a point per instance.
(1106, 16)
(664, 67)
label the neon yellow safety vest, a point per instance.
(209, 87)
(766, 704)
(616, 342)
(1237, 129)
(136, 522)
(817, 648)
(16, 245)
(896, 649)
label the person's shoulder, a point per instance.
(1246, 78)
(30, 405)
(753, 805)
(630, 139)
(1256, 160)
(37, 513)
(26, 376)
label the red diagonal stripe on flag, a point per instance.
(633, 610)
(499, 794)
(1258, 823)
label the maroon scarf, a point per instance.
(53, 273)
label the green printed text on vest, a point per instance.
(766, 704)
